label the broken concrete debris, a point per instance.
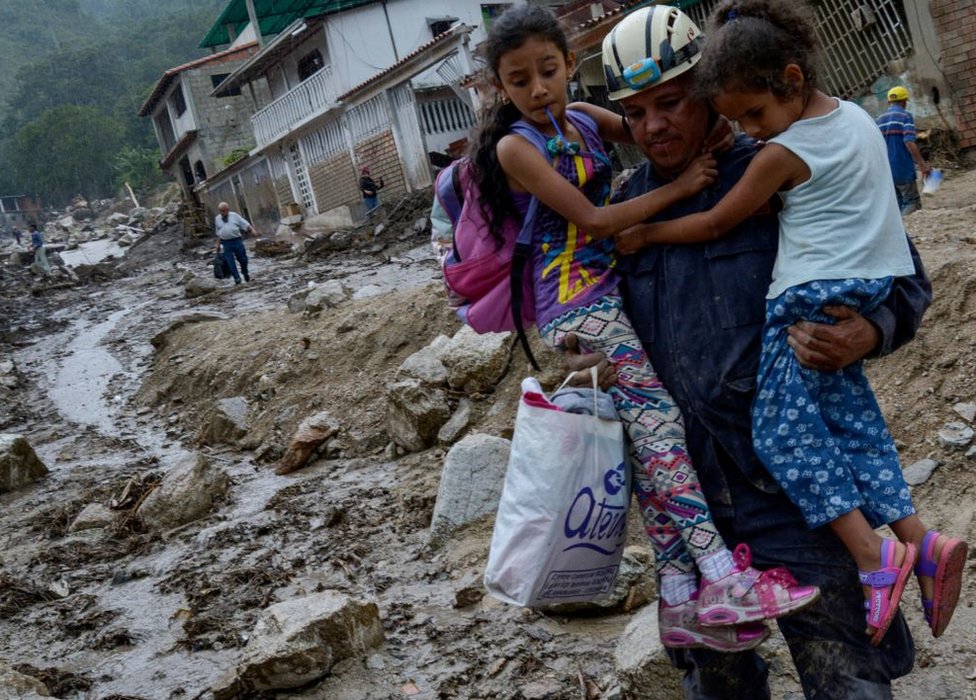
(19, 465)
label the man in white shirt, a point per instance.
(231, 227)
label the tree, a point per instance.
(139, 167)
(89, 75)
(68, 150)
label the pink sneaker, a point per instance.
(750, 595)
(680, 629)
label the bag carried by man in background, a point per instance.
(221, 269)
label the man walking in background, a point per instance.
(369, 190)
(40, 264)
(230, 228)
(898, 127)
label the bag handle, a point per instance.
(596, 388)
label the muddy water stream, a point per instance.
(86, 372)
(81, 383)
(92, 252)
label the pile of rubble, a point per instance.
(119, 220)
(114, 220)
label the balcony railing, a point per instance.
(311, 97)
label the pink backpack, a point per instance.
(486, 282)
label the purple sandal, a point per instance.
(947, 573)
(887, 585)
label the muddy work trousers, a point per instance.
(834, 658)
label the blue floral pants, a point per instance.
(822, 434)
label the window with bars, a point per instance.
(445, 115)
(371, 117)
(324, 142)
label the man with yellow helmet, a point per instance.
(898, 127)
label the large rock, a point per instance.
(340, 217)
(919, 472)
(19, 465)
(426, 364)
(17, 686)
(326, 296)
(955, 436)
(296, 302)
(966, 410)
(186, 493)
(198, 287)
(226, 423)
(471, 483)
(93, 516)
(299, 641)
(642, 664)
(633, 588)
(415, 413)
(475, 362)
(457, 424)
(311, 433)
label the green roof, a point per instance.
(273, 16)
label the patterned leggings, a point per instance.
(676, 517)
(822, 434)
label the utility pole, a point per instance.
(389, 28)
(253, 16)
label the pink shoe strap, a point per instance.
(887, 574)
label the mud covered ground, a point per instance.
(121, 613)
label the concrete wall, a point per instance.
(359, 39)
(223, 122)
(955, 25)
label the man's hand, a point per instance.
(580, 364)
(826, 347)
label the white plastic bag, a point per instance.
(561, 524)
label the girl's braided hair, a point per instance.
(750, 42)
(508, 32)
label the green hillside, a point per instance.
(81, 63)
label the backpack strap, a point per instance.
(523, 244)
(449, 191)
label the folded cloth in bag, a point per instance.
(561, 524)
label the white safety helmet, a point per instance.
(649, 46)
